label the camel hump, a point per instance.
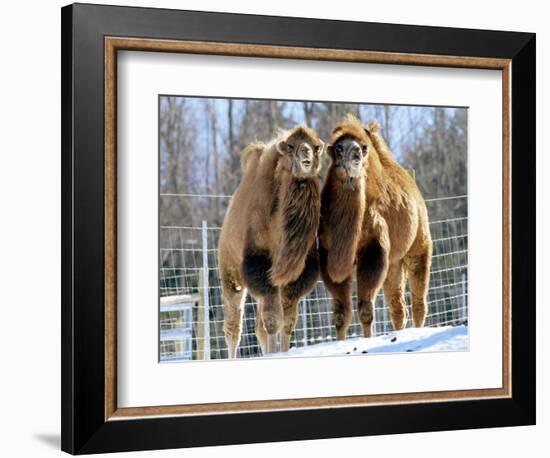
(373, 131)
(251, 152)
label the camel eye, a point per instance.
(339, 149)
(289, 147)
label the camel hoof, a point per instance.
(341, 334)
(367, 331)
(399, 323)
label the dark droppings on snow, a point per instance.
(393, 339)
(364, 351)
(354, 348)
(347, 353)
(410, 349)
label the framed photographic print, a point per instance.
(270, 222)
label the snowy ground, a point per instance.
(445, 338)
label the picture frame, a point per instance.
(92, 35)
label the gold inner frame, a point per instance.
(114, 44)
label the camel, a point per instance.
(268, 242)
(374, 220)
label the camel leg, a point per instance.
(293, 292)
(372, 267)
(365, 307)
(233, 298)
(272, 318)
(342, 308)
(261, 334)
(255, 273)
(394, 290)
(290, 310)
(418, 268)
(269, 322)
(341, 298)
(272, 343)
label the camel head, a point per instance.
(300, 150)
(349, 151)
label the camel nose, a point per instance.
(306, 158)
(306, 155)
(355, 158)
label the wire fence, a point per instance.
(191, 305)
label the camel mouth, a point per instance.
(348, 177)
(351, 171)
(302, 168)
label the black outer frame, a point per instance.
(83, 425)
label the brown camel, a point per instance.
(268, 240)
(373, 219)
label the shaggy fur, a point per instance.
(375, 222)
(268, 240)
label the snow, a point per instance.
(437, 339)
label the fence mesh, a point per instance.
(194, 330)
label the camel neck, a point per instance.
(299, 210)
(346, 195)
(296, 192)
(295, 224)
(343, 211)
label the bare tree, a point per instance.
(309, 112)
(439, 158)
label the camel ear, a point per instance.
(283, 147)
(372, 127)
(319, 149)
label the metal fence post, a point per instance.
(205, 292)
(304, 320)
(384, 326)
(200, 318)
(463, 314)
